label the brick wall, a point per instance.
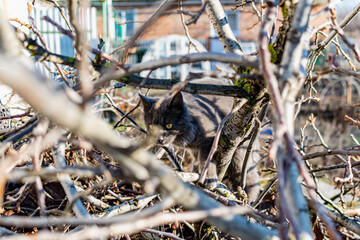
(170, 22)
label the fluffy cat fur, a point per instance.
(190, 121)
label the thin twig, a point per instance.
(350, 176)
(85, 68)
(267, 188)
(194, 15)
(163, 234)
(123, 113)
(320, 46)
(341, 33)
(254, 134)
(191, 43)
(38, 34)
(25, 114)
(163, 6)
(72, 36)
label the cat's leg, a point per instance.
(252, 175)
(211, 179)
(211, 176)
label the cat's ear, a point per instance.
(177, 102)
(147, 102)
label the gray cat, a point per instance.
(190, 121)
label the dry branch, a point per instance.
(221, 25)
(322, 45)
(67, 183)
(140, 165)
(283, 95)
(133, 163)
(250, 61)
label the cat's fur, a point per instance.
(194, 120)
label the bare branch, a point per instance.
(139, 163)
(250, 61)
(322, 45)
(193, 88)
(289, 188)
(331, 152)
(221, 25)
(217, 137)
(344, 220)
(163, 6)
(66, 182)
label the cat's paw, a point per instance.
(211, 183)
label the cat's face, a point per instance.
(168, 121)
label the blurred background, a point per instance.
(116, 21)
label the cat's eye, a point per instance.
(169, 126)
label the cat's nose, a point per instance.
(160, 140)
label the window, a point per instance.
(124, 24)
(172, 45)
(130, 25)
(233, 20)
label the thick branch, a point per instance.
(221, 25)
(293, 204)
(41, 53)
(138, 163)
(250, 61)
(194, 88)
(66, 182)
